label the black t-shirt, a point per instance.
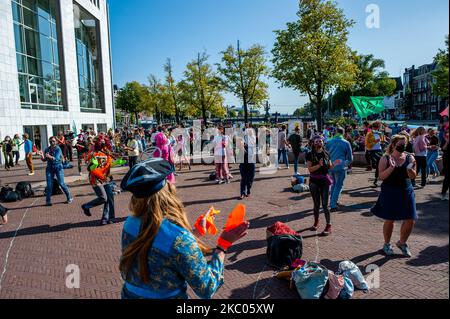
(296, 142)
(434, 140)
(315, 158)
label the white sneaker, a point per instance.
(31, 174)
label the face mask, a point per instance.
(401, 148)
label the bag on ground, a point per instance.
(351, 271)
(310, 280)
(348, 289)
(283, 250)
(25, 189)
(4, 191)
(12, 196)
(56, 188)
(334, 286)
(212, 176)
(300, 188)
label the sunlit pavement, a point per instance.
(39, 242)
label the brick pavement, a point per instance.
(38, 243)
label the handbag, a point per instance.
(310, 280)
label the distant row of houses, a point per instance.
(413, 98)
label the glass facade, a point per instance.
(38, 60)
(87, 46)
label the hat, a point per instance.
(147, 178)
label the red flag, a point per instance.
(445, 113)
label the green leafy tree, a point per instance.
(174, 89)
(201, 89)
(242, 73)
(132, 99)
(371, 80)
(312, 55)
(159, 101)
(440, 87)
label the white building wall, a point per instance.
(12, 117)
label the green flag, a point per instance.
(366, 106)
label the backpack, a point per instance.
(5, 190)
(25, 189)
(283, 250)
(12, 196)
(212, 176)
(56, 188)
(351, 271)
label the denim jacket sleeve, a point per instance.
(205, 278)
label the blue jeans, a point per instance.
(431, 162)
(296, 159)
(283, 153)
(58, 172)
(105, 197)
(338, 176)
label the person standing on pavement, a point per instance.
(433, 153)
(28, 146)
(340, 150)
(247, 168)
(132, 148)
(396, 201)
(283, 145)
(7, 148)
(375, 151)
(319, 163)
(82, 147)
(61, 140)
(221, 144)
(16, 143)
(421, 152)
(445, 158)
(54, 158)
(99, 171)
(295, 140)
(161, 253)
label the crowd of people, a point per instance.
(158, 235)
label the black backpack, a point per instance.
(25, 189)
(212, 176)
(283, 250)
(4, 191)
(12, 196)
(56, 188)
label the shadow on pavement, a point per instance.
(430, 256)
(46, 229)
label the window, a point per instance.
(102, 128)
(88, 54)
(36, 39)
(60, 128)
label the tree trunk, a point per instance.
(136, 114)
(245, 111)
(205, 119)
(319, 114)
(177, 115)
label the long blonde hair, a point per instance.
(394, 140)
(152, 211)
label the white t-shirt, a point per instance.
(221, 145)
(281, 140)
(135, 146)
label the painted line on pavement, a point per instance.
(12, 242)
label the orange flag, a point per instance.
(210, 226)
(236, 218)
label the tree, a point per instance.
(174, 91)
(305, 111)
(440, 87)
(159, 100)
(242, 72)
(370, 80)
(132, 99)
(202, 89)
(312, 55)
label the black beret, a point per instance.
(147, 178)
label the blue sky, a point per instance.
(144, 33)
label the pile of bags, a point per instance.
(299, 184)
(314, 281)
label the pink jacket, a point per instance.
(164, 151)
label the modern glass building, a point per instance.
(55, 67)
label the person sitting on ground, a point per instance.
(161, 254)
